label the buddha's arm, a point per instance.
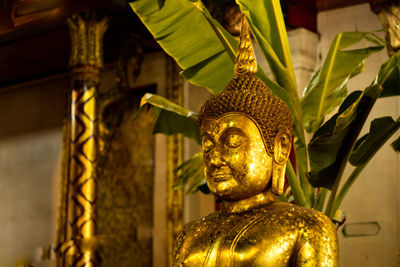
(308, 256)
(178, 248)
(319, 245)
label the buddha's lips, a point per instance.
(220, 176)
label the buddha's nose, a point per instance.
(216, 159)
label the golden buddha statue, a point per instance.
(246, 140)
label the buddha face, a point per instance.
(236, 163)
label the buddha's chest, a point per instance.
(251, 240)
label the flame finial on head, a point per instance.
(245, 62)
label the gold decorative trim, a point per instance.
(83, 170)
(87, 32)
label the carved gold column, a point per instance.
(77, 246)
(174, 158)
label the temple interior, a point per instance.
(137, 209)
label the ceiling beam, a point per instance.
(324, 5)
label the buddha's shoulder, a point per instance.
(204, 222)
(291, 210)
(285, 213)
(275, 213)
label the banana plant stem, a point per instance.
(321, 199)
(302, 161)
(328, 210)
(298, 193)
(350, 181)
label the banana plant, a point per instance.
(206, 51)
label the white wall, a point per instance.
(374, 196)
(30, 157)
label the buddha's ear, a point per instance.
(282, 146)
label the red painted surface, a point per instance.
(302, 14)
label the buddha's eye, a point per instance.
(207, 145)
(234, 140)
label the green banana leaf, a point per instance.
(190, 173)
(170, 123)
(183, 31)
(163, 103)
(328, 86)
(266, 21)
(171, 118)
(396, 145)
(330, 147)
(199, 44)
(212, 64)
(381, 130)
(325, 146)
(392, 85)
(366, 147)
(230, 45)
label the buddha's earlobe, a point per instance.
(278, 178)
(282, 146)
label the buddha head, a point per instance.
(246, 133)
